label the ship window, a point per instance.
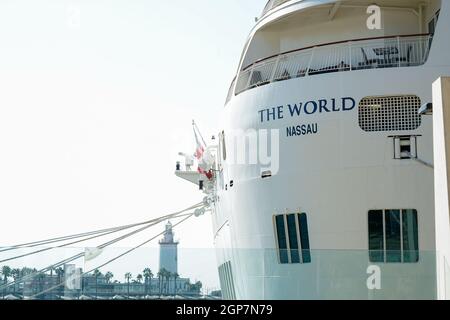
(391, 113)
(393, 236)
(410, 236)
(304, 238)
(281, 237)
(292, 238)
(376, 236)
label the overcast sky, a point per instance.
(96, 100)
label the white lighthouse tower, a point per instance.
(168, 251)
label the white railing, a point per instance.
(272, 4)
(230, 91)
(386, 52)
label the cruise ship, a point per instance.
(322, 184)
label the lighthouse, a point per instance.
(168, 251)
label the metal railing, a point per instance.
(272, 4)
(373, 53)
(230, 91)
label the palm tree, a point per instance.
(60, 273)
(148, 275)
(160, 276)
(128, 277)
(96, 273)
(15, 273)
(139, 278)
(25, 271)
(198, 286)
(168, 276)
(108, 276)
(187, 285)
(6, 272)
(51, 282)
(41, 277)
(175, 277)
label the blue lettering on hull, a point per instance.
(302, 130)
(305, 109)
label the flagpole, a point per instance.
(198, 131)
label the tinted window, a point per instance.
(304, 238)
(292, 238)
(293, 243)
(376, 236)
(281, 235)
(410, 236)
(393, 236)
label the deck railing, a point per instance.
(230, 91)
(272, 4)
(373, 53)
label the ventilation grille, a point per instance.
(396, 113)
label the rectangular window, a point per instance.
(306, 255)
(410, 236)
(292, 238)
(281, 236)
(376, 236)
(393, 236)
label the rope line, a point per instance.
(155, 221)
(102, 246)
(85, 234)
(115, 258)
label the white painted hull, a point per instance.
(336, 176)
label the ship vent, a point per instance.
(393, 113)
(227, 281)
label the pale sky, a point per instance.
(96, 100)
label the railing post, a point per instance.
(399, 52)
(429, 41)
(350, 62)
(249, 77)
(310, 61)
(275, 67)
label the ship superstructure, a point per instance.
(323, 183)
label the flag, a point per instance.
(204, 159)
(92, 253)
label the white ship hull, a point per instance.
(335, 173)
